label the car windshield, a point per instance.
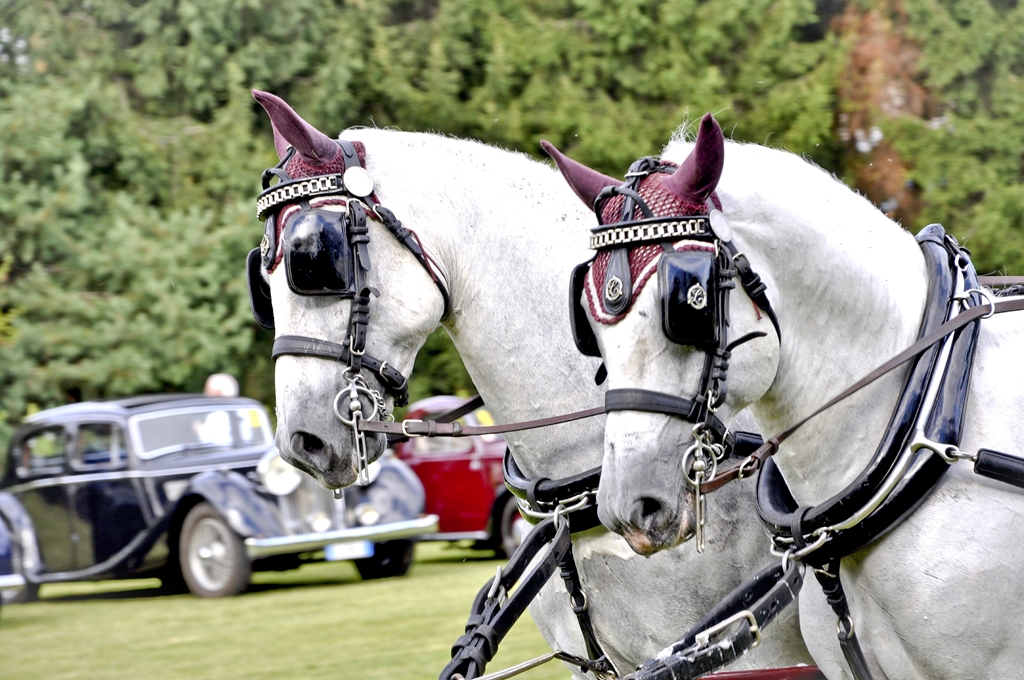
(200, 428)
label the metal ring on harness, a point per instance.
(358, 389)
(985, 294)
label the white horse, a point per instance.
(504, 232)
(939, 596)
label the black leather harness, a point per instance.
(352, 350)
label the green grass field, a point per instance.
(320, 621)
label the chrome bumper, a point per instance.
(12, 581)
(280, 545)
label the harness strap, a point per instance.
(753, 463)
(849, 643)
(430, 428)
(746, 610)
(694, 410)
(494, 611)
(295, 345)
(408, 238)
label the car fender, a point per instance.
(397, 493)
(6, 550)
(22, 535)
(249, 513)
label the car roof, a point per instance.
(127, 406)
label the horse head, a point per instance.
(351, 297)
(663, 303)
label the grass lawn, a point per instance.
(320, 621)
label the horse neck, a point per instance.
(507, 231)
(849, 287)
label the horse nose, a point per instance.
(311, 451)
(308, 444)
(649, 514)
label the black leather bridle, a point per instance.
(712, 440)
(354, 188)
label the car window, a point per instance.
(199, 428)
(99, 444)
(43, 450)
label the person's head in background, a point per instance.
(221, 385)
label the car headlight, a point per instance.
(366, 514)
(277, 476)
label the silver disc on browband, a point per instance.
(720, 225)
(358, 181)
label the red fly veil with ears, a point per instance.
(315, 153)
(684, 192)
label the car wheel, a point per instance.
(212, 556)
(512, 528)
(392, 558)
(27, 593)
(171, 580)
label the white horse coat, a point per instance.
(505, 233)
(939, 596)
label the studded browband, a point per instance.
(651, 229)
(355, 181)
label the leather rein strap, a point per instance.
(753, 463)
(433, 428)
(495, 610)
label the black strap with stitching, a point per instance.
(295, 345)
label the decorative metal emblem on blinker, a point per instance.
(358, 181)
(697, 297)
(613, 289)
(264, 246)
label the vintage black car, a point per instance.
(190, 489)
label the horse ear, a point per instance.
(313, 146)
(698, 176)
(585, 182)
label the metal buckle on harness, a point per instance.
(566, 506)
(704, 637)
(405, 427)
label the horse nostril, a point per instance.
(309, 443)
(649, 507)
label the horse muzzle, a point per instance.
(332, 466)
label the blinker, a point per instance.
(582, 333)
(688, 292)
(317, 254)
(259, 291)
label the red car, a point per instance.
(463, 480)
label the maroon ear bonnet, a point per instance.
(684, 192)
(585, 182)
(698, 176)
(315, 154)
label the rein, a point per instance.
(756, 460)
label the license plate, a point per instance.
(352, 550)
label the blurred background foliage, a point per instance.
(132, 149)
